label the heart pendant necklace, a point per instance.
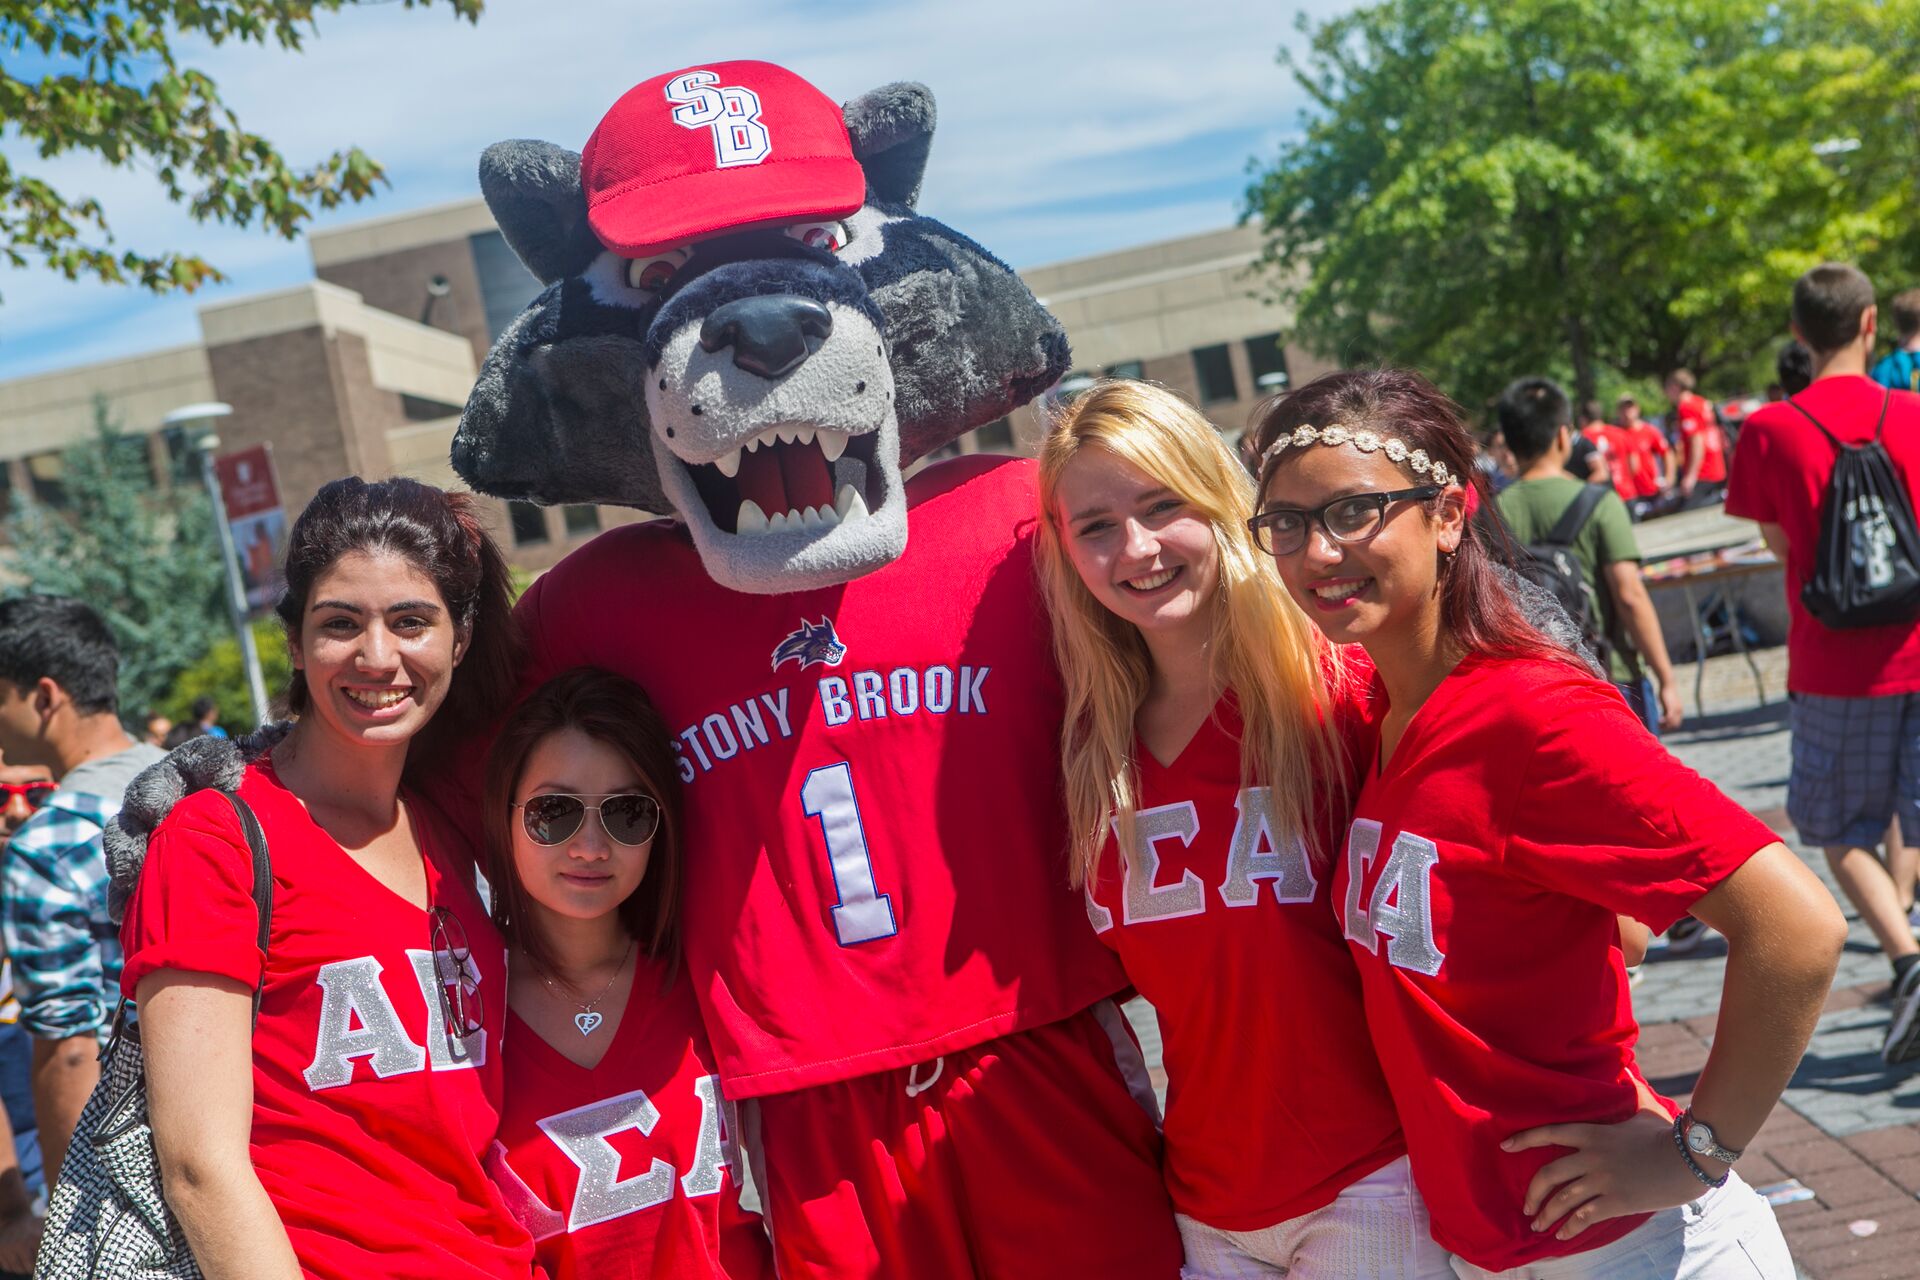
(588, 1020)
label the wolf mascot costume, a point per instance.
(746, 324)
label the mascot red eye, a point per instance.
(831, 236)
(652, 273)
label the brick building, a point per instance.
(364, 369)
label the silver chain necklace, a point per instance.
(588, 1019)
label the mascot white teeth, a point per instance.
(747, 325)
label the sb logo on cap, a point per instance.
(730, 111)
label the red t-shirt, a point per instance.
(1697, 420)
(630, 1169)
(1616, 446)
(1523, 809)
(1780, 476)
(1645, 447)
(1227, 933)
(369, 1120)
(875, 840)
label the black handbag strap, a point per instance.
(262, 886)
(1886, 400)
(1575, 517)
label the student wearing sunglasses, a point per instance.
(603, 1035)
(344, 1134)
(1206, 798)
(1514, 805)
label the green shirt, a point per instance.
(1532, 507)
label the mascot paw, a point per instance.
(193, 766)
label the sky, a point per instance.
(1066, 127)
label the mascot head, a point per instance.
(745, 323)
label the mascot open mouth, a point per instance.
(790, 477)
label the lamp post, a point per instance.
(188, 419)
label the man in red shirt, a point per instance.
(1649, 458)
(1612, 444)
(1856, 692)
(1703, 449)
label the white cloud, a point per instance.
(1044, 107)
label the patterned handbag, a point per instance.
(108, 1219)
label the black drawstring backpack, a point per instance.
(1866, 569)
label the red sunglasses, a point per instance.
(35, 793)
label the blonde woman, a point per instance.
(1202, 739)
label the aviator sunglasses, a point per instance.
(630, 818)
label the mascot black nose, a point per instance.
(770, 335)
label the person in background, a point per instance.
(154, 728)
(1613, 444)
(582, 848)
(1649, 458)
(1899, 369)
(1855, 715)
(1703, 447)
(206, 714)
(59, 703)
(22, 1179)
(1534, 417)
(185, 731)
(1794, 367)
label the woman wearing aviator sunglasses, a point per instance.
(1514, 806)
(583, 854)
(1205, 801)
(342, 1134)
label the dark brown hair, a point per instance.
(1906, 313)
(1828, 302)
(613, 710)
(439, 533)
(1476, 607)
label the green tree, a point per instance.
(147, 559)
(220, 675)
(102, 76)
(1606, 189)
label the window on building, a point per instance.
(1214, 369)
(1267, 358)
(582, 519)
(46, 471)
(1127, 369)
(421, 409)
(995, 437)
(529, 523)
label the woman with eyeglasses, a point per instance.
(1513, 807)
(1204, 753)
(604, 1050)
(342, 1133)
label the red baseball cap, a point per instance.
(715, 148)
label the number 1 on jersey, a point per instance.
(864, 913)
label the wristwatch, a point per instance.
(1700, 1139)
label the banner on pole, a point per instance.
(251, 495)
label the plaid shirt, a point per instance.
(64, 950)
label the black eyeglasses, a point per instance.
(630, 818)
(1281, 531)
(462, 1007)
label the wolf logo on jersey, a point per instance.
(813, 644)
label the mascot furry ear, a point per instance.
(754, 350)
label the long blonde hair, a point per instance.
(1263, 648)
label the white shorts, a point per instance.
(1728, 1234)
(1375, 1229)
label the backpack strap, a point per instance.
(262, 883)
(1886, 402)
(1821, 427)
(1575, 517)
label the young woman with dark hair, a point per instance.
(1513, 807)
(343, 1134)
(582, 845)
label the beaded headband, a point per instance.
(1365, 442)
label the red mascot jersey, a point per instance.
(1524, 808)
(630, 1169)
(1274, 1098)
(369, 1120)
(876, 865)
